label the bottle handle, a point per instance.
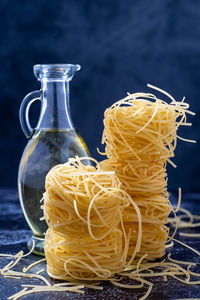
(24, 112)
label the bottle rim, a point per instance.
(55, 71)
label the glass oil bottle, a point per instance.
(53, 141)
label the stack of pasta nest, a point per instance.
(103, 218)
(140, 134)
(83, 208)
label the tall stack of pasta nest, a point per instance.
(140, 134)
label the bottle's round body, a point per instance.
(46, 148)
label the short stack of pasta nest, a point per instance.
(83, 207)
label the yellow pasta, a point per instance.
(83, 206)
(84, 258)
(109, 219)
(140, 134)
(102, 218)
(143, 127)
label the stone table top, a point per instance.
(14, 233)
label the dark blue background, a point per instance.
(121, 45)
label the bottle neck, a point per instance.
(55, 110)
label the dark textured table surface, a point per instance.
(14, 234)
